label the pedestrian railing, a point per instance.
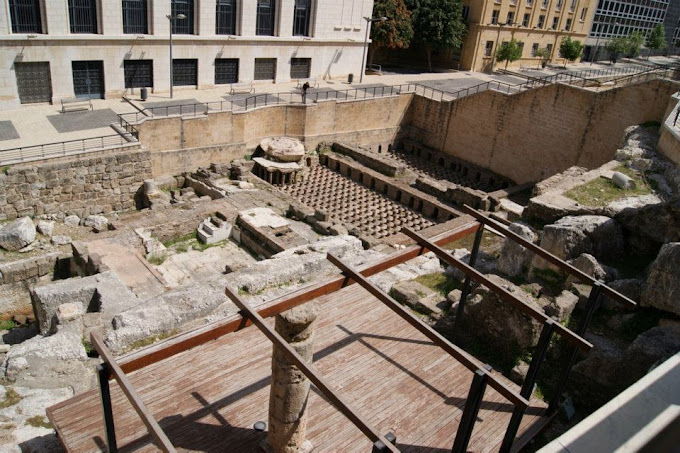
(66, 148)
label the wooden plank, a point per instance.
(459, 354)
(212, 331)
(309, 372)
(546, 255)
(154, 429)
(501, 292)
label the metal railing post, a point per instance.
(107, 408)
(591, 306)
(465, 290)
(528, 384)
(472, 405)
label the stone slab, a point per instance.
(80, 121)
(8, 131)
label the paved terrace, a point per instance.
(207, 398)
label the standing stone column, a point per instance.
(290, 388)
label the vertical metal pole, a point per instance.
(363, 54)
(467, 421)
(591, 306)
(528, 384)
(172, 78)
(466, 285)
(107, 409)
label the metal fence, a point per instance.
(60, 149)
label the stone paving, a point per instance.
(8, 131)
(353, 203)
(79, 121)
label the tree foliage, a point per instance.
(544, 54)
(571, 49)
(634, 43)
(395, 33)
(509, 51)
(437, 24)
(616, 47)
(656, 39)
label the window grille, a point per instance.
(183, 26)
(25, 16)
(82, 15)
(301, 17)
(266, 13)
(135, 17)
(225, 17)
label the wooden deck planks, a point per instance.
(208, 398)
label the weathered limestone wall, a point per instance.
(537, 133)
(669, 134)
(183, 144)
(86, 184)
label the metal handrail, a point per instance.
(59, 149)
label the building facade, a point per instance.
(55, 49)
(671, 26)
(616, 18)
(537, 24)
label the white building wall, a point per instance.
(335, 45)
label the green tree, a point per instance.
(571, 49)
(544, 53)
(616, 47)
(395, 33)
(509, 51)
(437, 24)
(656, 40)
(634, 43)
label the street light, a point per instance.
(172, 19)
(363, 55)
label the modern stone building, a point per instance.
(615, 18)
(535, 23)
(54, 49)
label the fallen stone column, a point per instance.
(289, 387)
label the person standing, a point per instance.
(305, 87)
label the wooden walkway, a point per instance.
(207, 399)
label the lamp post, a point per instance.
(172, 19)
(368, 20)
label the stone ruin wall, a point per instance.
(88, 184)
(531, 135)
(184, 144)
(669, 135)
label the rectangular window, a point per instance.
(265, 69)
(226, 70)
(567, 26)
(545, 4)
(225, 17)
(182, 26)
(138, 73)
(266, 14)
(572, 5)
(521, 48)
(541, 21)
(558, 4)
(494, 16)
(300, 68)
(488, 48)
(534, 49)
(511, 18)
(466, 12)
(302, 13)
(25, 16)
(555, 23)
(82, 15)
(526, 19)
(549, 48)
(530, 2)
(135, 17)
(184, 72)
(584, 11)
